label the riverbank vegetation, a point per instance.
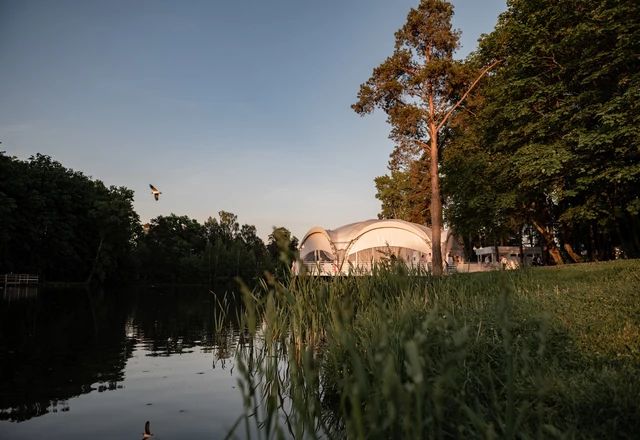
(536, 353)
(67, 227)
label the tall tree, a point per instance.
(419, 87)
(173, 247)
(233, 250)
(118, 230)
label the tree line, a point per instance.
(66, 226)
(542, 144)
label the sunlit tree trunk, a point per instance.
(550, 239)
(566, 238)
(436, 205)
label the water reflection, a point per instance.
(56, 346)
(121, 354)
(10, 292)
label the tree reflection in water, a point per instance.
(59, 344)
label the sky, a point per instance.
(237, 105)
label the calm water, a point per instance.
(76, 364)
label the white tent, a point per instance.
(353, 248)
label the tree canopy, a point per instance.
(565, 123)
(59, 223)
(419, 87)
(546, 149)
(64, 226)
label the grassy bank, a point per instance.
(538, 353)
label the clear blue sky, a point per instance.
(242, 106)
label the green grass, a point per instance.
(537, 353)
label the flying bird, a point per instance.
(155, 192)
(147, 432)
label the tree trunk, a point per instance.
(566, 237)
(549, 238)
(624, 245)
(634, 234)
(592, 242)
(95, 260)
(555, 254)
(575, 257)
(605, 246)
(436, 204)
(522, 259)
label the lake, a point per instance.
(78, 364)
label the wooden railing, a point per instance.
(19, 278)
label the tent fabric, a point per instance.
(370, 241)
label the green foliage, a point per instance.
(119, 231)
(177, 249)
(172, 247)
(405, 192)
(542, 353)
(554, 143)
(282, 248)
(61, 224)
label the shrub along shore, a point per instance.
(534, 353)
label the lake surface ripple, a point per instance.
(78, 364)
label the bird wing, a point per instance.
(146, 428)
(153, 188)
(156, 196)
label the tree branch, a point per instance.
(424, 145)
(553, 58)
(411, 71)
(446, 117)
(472, 113)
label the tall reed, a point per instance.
(400, 354)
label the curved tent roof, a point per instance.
(344, 237)
(337, 245)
